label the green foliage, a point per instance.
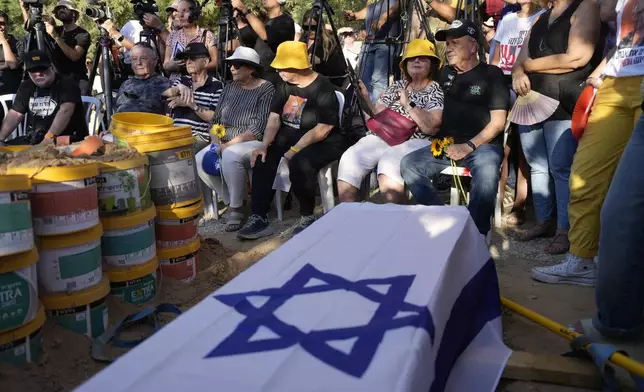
(122, 12)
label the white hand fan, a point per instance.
(532, 108)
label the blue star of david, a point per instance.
(369, 336)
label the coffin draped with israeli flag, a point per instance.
(369, 298)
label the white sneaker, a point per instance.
(573, 270)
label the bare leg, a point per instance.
(392, 190)
(522, 182)
(347, 193)
(505, 171)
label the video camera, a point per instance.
(34, 3)
(142, 7)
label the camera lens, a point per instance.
(96, 13)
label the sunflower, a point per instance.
(437, 147)
(447, 141)
(218, 130)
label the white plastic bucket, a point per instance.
(129, 240)
(16, 232)
(18, 289)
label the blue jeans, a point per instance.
(619, 293)
(549, 148)
(419, 167)
(375, 69)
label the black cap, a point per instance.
(459, 28)
(195, 49)
(37, 59)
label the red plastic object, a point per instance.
(582, 111)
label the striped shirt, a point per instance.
(206, 97)
(244, 110)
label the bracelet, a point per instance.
(471, 145)
(248, 11)
(295, 150)
(50, 135)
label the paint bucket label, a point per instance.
(174, 176)
(183, 268)
(174, 233)
(130, 246)
(136, 291)
(18, 297)
(90, 320)
(123, 192)
(70, 269)
(16, 232)
(64, 207)
(23, 350)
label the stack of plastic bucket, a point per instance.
(21, 314)
(174, 186)
(127, 214)
(64, 203)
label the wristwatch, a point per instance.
(412, 104)
(248, 11)
(120, 39)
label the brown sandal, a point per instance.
(559, 244)
(540, 230)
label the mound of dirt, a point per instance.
(65, 360)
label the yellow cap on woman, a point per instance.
(291, 54)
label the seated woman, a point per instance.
(419, 99)
(243, 110)
(329, 59)
(303, 129)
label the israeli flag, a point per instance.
(369, 298)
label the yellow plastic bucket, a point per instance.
(16, 231)
(161, 134)
(13, 149)
(70, 262)
(180, 263)
(64, 199)
(130, 122)
(22, 345)
(18, 289)
(123, 187)
(178, 226)
(137, 284)
(129, 240)
(83, 312)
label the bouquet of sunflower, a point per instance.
(212, 158)
(439, 146)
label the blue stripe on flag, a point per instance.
(478, 303)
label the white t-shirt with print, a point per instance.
(510, 34)
(629, 58)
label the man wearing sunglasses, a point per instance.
(51, 102)
(206, 89)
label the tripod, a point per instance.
(103, 52)
(225, 26)
(151, 37)
(36, 30)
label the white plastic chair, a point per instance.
(93, 114)
(5, 99)
(325, 177)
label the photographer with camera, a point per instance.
(51, 102)
(11, 52)
(71, 43)
(189, 12)
(278, 28)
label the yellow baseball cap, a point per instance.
(291, 54)
(417, 48)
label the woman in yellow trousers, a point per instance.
(614, 115)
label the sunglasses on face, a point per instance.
(235, 64)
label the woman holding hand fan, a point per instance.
(555, 60)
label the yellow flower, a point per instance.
(218, 131)
(447, 141)
(437, 147)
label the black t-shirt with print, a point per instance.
(301, 109)
(469, 98)
(10, 78)
(73, 38)
(41, 104)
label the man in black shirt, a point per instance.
(52, 103)
(476, 103)
(301, 128)
(72, 43)
(279, 27)
(11, 53)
